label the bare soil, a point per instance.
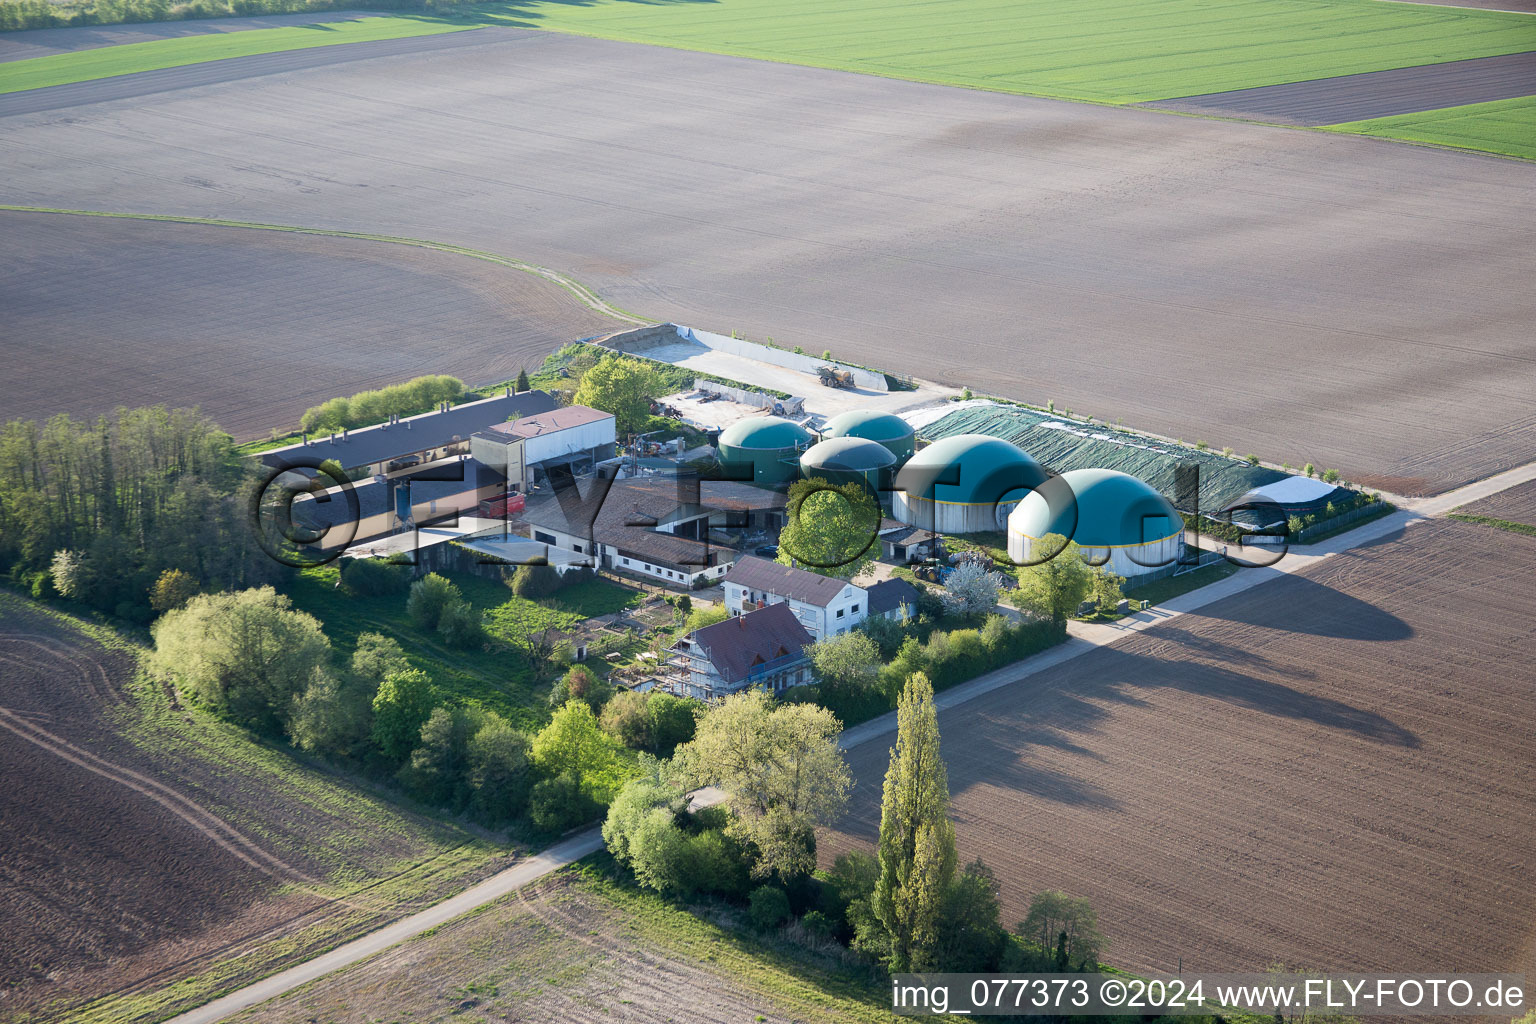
(1372, 94)
(253, 326)
(1331, 770)
(1515, 505)
(139, 849)
(1244, 284)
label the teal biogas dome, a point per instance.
(766, 447)
(1117, 519)
(967, 483)
(885, 429)
(842, 460)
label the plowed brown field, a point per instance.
(253, 326)
(141, 845)
(1333, 769)
(1516, 505)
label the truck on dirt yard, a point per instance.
(832, 377)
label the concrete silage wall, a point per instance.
(790, 406)
(865, 379)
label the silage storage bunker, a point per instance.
(1121, 522)
(885, 429)
(967, 483)
(843, 460)
(764, 450)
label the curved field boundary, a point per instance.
(216, 829)
(586, 296)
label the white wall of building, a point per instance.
(558, 443)
(844, 612)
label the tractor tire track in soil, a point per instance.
(1329, 770)
(107, 895)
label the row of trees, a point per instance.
(100, 512)
(861, 673)
(422, 394)
(910, 907)
(252, 659)
(24, 14)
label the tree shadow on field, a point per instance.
(526, 13)
(1011, 747)
(1297, 604)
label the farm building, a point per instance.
(662, 528)
(843, 460)
(406, 443)
(964, 484)
(1118, 520)
(764, 649)
(381, 506)
(763, 449)
(885, 429)
(823, 605)
(532, 451)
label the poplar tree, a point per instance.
(917, 841)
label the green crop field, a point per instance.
(107, 61)
(1504, 126)
(1116, 51)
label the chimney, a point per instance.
(305, 437)
(343, 433)
(333, 437)
(741, 622)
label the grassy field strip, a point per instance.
(109, 61)
(586, 295)
(1116, 51)
(1113, 51)
(1503, 126)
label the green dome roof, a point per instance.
(849, 454)
(767, 432)
(867, 423)
(970, 469)
(1114, 510)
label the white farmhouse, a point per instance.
(824, 606)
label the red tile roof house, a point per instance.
(764, 649)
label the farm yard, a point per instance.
(1327, 769)
(180, 852)
(576, 947)
(1019, 231)
(274, 322)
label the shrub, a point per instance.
(579, 683)
(534, 581)
(673, 720)
(402, 705)
(768, 907)
(1253, 460)
(1330, 476)
(459, 624)
(370, 577)
(1309, 469)
(429, 596)
(242, 655)
(40, 586)
(625, 719)
(558, 804)
(173, 589)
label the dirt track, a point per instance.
(552, 952)
(255, 326)
(1373, 94)
(1327, 770)
(137, 850)
(1124, 263)
(1516, 505)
